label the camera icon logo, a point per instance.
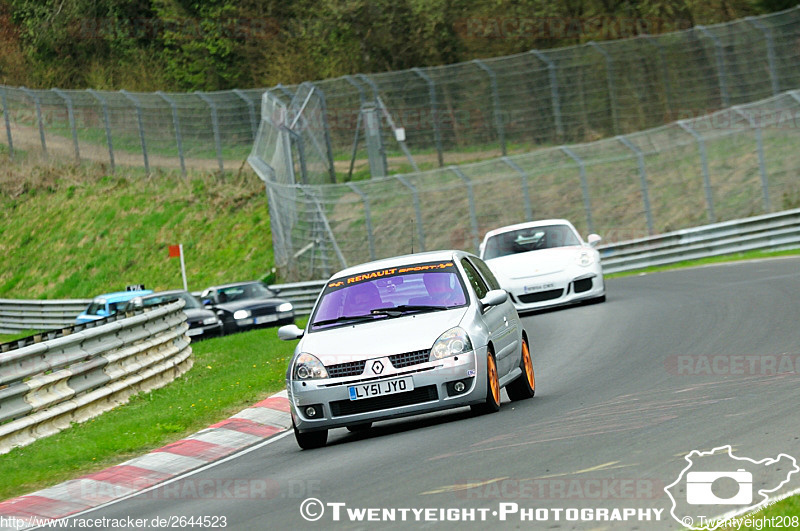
(699, 491)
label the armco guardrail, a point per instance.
(46, 386)
(20, 315)
(766, 232)
(302, 295)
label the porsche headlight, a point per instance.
(308, 367)
(584, 259)
(452, 343)
(241, 314)
(285, 307)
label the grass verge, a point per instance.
(737, 257)
(4, 338)
(229, 374)
(785, 513)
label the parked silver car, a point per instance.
(403, 336)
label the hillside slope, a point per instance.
(76, 231)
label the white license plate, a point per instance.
(265, 319)
(387, 387)
(538, 287)
(195, 331)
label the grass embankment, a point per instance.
(75, 231)
(229, 374)
(783, 514)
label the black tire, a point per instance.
(310, 440)
(492, 402)
(523, 387)
(358, 428)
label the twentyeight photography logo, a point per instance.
(716, 482)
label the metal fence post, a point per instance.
(389, 120)
(367, 219)
(38, 104)
(417, 210)
(437, 135)
(473, 217)
(584, 185)
(297, 140)
(176, 124)
(107, 123)
(762, 165)
(643, 181)
(612, 93)
(326, 131)
(525, 193)
(361, 102)
(723, 84)
(140, 124)
(214, 125)
(664, 71)
(8, 125)
(71, 116)
(773, 75)
(498, 117)
(701, 146)
(554, 96)
(251, 108)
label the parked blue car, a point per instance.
(108, 304)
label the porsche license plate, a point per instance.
(265, 319)
(388, 387)
(538, 287)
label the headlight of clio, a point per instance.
(452, 343)
(210, 320)
(308, 367)
(241, 314)
(285, 307)
(584, 259)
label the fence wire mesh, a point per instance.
(733, 163)
(450, 114)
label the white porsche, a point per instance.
(544, 264)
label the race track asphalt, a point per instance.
(672, 362)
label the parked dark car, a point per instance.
(203, 322)
(247, 305)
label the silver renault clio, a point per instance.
(404, 336)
